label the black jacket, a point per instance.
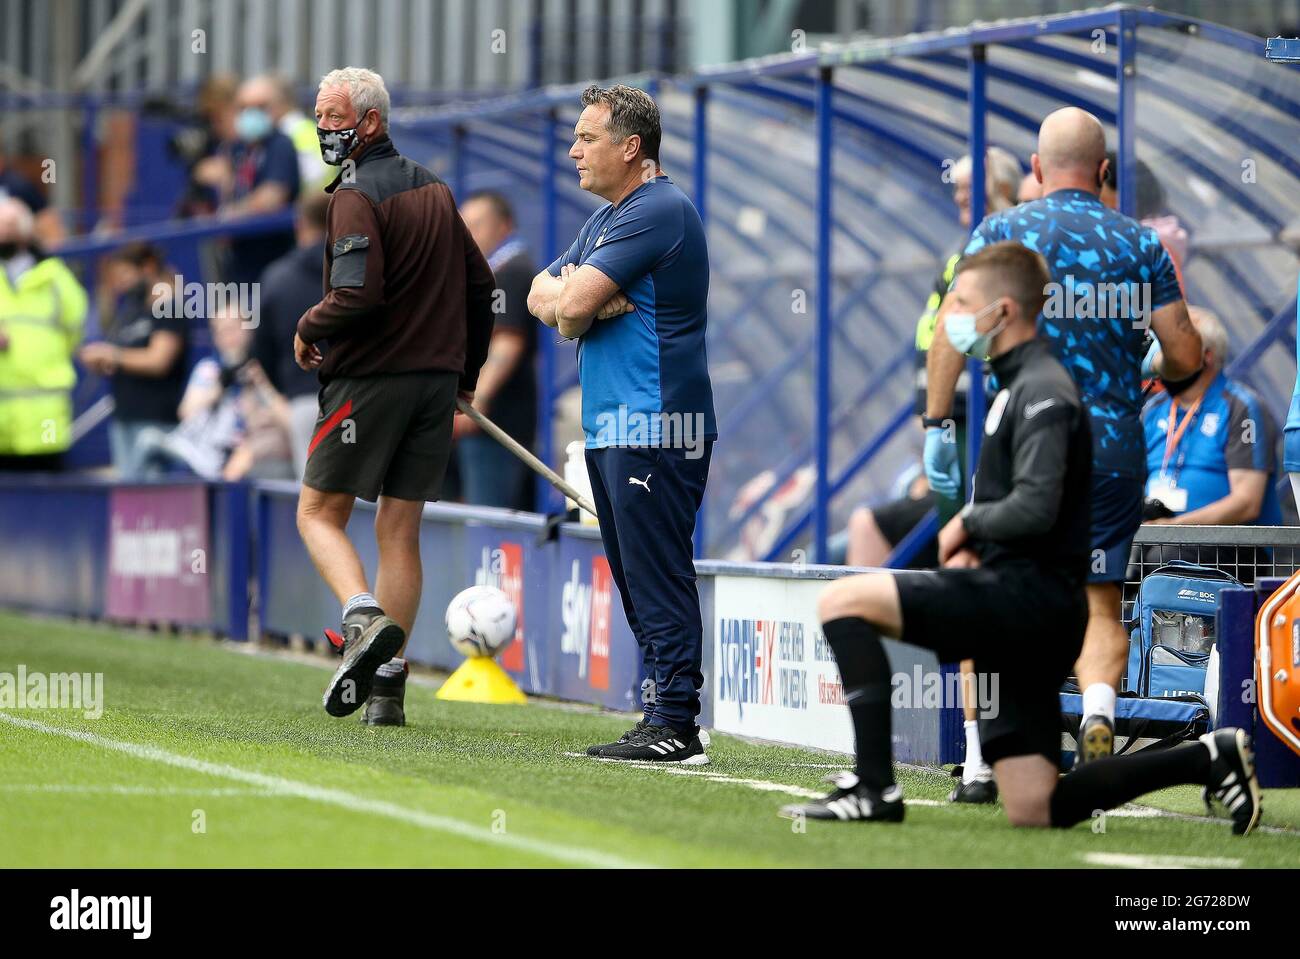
(1033, 484)
(406, 287)
(290, 286)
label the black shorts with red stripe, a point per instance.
(388, 434)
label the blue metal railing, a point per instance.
(812, 86)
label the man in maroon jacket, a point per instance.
(407, 315)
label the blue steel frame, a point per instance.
(778, 78)
(821, 67)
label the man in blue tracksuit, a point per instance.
(633, 289)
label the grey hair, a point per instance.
(22, 215)
(1214, 338)
(1002, 176)
(631, 112)
(365, 89)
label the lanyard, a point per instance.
(1174, 436)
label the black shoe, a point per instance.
(385, 707)
(1096, 740)
(1232, 778)
(979, 791)
(595, 750)
(850, 801)
(659, 744)
(370, 639)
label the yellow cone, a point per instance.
(480, 680)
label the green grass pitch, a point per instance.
(207, 756)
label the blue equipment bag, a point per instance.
(1140, 723)
(1174, 630)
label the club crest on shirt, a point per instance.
(994, 419)
(1210, 424)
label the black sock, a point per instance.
(1107, 783)
(864, 668)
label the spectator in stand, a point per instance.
(1030, 189)
(200, 143)
(263, 451)
(232, 423)
(143, 352)
(1151, 208)
(291, 286)
(1211, 445)
(313, 172)
(507, 386)
(873, 534)
(46, 226)
(256, 172)
(42, 312)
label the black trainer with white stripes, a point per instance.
(598, 748)
(659, 744)
(1232, 778)
(850, 801)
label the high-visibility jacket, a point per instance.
(313, 172)
(42, 316)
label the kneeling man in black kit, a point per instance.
(1011, 593)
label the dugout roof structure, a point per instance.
(820, 176)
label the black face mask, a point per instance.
(1175, 387)
(336, 145)
(10, 250)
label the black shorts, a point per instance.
(897, 518)
(388, 434)
(1022, 626)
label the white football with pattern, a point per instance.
(480, 621)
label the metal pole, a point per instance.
(531, 461)
(550, 249)
(825, 329)
(1126, 114)
(700, 180)
(978, 147)
(458, 162)
(89, 167)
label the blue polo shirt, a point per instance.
(1230, 430)
(645, 374)
(1095, 254)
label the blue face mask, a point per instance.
(253, 124)
(966, 338)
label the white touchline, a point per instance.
(1136, 811)
(337, 797)
(1125, 860)
(762, 785)
(121, 790)
(1125, 812)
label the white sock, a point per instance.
(974, 767)
(1099, 700)
(359, 601)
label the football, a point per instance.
(480, 621)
